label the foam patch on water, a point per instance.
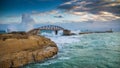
(48, 63)
(76, 32)
(64, 39)
(64, 58)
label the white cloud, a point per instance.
(44, 13)
(12, 19)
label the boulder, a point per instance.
(66, 32)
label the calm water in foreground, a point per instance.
(84, 51)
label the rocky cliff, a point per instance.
(17, 50)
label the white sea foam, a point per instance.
(64, 58)
(64, 39)
(59, 39)
(76, 31)
(48, 63)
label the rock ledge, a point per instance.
(17, 50)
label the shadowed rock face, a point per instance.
(18, 51)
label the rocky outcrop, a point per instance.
(17, 50)
(66, 32)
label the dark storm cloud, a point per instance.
(66, 6)
(58, 16)
(92, 6)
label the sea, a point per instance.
(95, 50)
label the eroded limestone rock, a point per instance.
(16, 52)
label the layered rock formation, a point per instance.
(17, 50)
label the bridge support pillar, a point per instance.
(56, 32)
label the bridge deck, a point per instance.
(48, 27)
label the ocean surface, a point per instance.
(97, 50)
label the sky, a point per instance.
(11, 10)
(58, 11)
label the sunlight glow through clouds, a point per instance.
(102, 16)
(74, 17)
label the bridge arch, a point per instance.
(54, 28)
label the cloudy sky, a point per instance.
(59, 11)
(84, 14)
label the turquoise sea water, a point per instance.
(100, 50)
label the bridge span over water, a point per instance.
(54, 28)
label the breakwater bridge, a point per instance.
(54, 28)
